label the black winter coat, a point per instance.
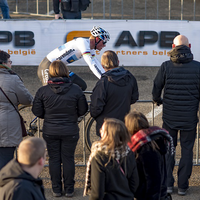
(180, 78)
(109, 183)
(16, 184)
(113, 94)
(152, 172)
(60, 105)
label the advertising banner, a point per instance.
(136, 42)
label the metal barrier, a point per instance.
(196, 160)
(112, 9)
(154, 118)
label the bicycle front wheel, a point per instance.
(91, 133)
(30, 120)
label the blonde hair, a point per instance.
(92, 37)
(117, 135)
(109, 60)
(58, 69)
(31, 150)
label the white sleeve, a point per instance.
(94, 64)
(89, 57)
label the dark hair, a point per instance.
(4, 56)
(58, 69)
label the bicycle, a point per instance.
(33, 124)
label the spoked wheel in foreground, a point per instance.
(90, 130)
(30, 120)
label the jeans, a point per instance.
(4, 9)
(6, 155)
(61, 149)
(187, 139)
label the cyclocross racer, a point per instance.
(75, 50)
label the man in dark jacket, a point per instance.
(114, 92)
(180, 78)
(71, 9)
(19, 178)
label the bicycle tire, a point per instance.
(90, 130)
(28, 116)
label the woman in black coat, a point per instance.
(60, 103)
(150, 145)
(111, 169)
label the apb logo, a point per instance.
(20, 38)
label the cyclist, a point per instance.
(75, 50)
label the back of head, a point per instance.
(31, 150)
(136, 121)
(4, 56)
(109, 60)
(181, 40)
(58, 69)
(116, 134)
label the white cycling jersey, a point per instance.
(75, 50)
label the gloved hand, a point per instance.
(158, 102)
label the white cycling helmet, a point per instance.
(97, 31)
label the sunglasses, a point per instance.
(10, 61)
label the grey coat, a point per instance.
(10, 127)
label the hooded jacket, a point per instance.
(113, 94)
(60, 103)
(10, 126)
(151, 162)
(180, 78)
(16, 184)
(115, 179)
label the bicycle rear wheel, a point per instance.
(30, 120)
(90, 130)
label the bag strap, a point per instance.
(121, 167)
(9, 100)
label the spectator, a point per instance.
(75, 50)
(19, 178)
(4, 9)
(71, 9)
(180, 77)
(60, 103)
(111, 169)
(10, 125)
(150, 146)
(114, 92)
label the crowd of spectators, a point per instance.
(131, 160)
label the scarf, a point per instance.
(96, 147)
(145, 136)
